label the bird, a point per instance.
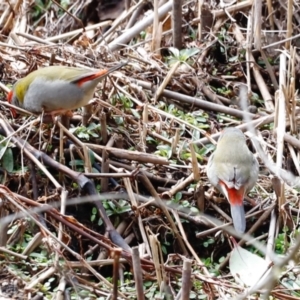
(233, 170)
(56, 89)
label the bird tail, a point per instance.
(238, 217)
(100, 74)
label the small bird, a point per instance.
(233, 170)
(56, 89)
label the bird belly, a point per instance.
(54, 95)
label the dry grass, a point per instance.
(159, 116)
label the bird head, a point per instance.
(16, 95)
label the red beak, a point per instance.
(9, 99)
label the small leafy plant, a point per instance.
(181, 55)
(111, 208)
(86, 132)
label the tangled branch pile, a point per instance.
(129, 169)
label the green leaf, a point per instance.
(112, 205)
(292, 285)
(246, 268)
(148, 284)
(124, 209)
(76, 162)
(174, 51)
(92, 157)
(193, 295)
(83, 135)
(119, 120)
(163, 147)
(178, 196)
(8, 160)
(65, 3)
(93, 126)
(93, 134)
(191, 51)
(164, 250)
(135, 113)
(194, 211)
(2, 150)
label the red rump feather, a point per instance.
(92, 77)
(235, 196)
